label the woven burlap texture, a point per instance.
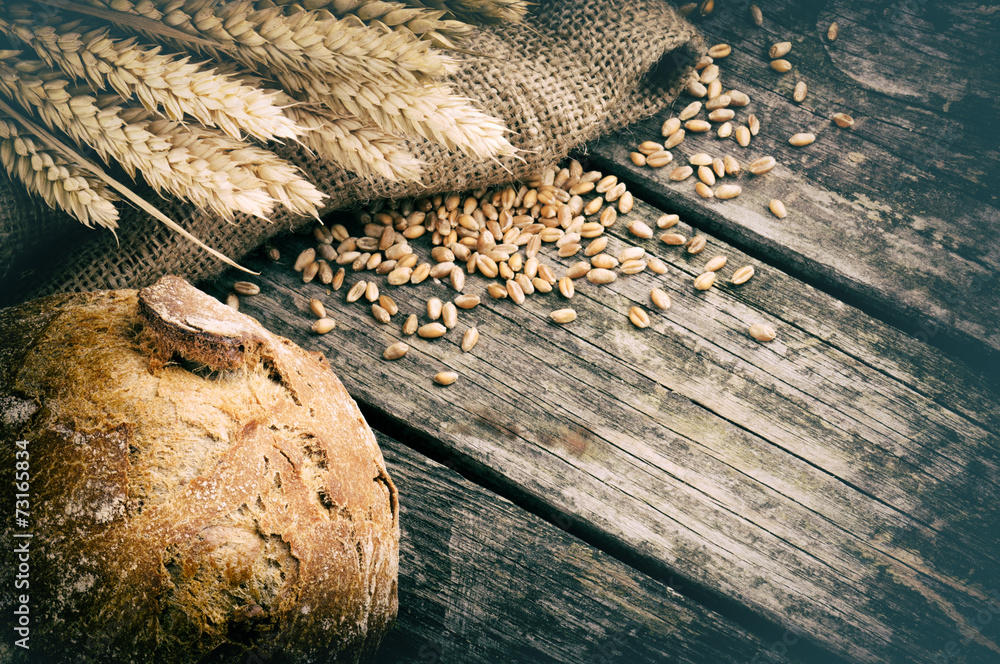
(574, 70)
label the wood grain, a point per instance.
(483, 581)
(837, 481)
(896, 215)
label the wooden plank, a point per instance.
(825, 480)
(483, 581)
(896, 215)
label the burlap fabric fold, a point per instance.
(574, 70)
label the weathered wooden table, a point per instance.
(596, 492)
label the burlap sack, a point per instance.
(576, 69)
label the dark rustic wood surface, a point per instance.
(484, 581)
(897, 215)
(841, 481)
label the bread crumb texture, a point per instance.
(184, 512)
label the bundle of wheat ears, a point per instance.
(188, 94)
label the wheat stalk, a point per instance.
(430, 111)
(353, 144)
(159, 82)
(475, 11)
(61, 184)
(194, 163)
(268, 41)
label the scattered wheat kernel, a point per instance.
(715, 263)
(274, 254)
(371, 291)
(431, 330)
(515, 292)
(577, 270)
(380, 314)
(703, 62)
(727, 191)
(596, 247)
(833, 31)
(649, 147)
(667, 221)
(705, 7)
(496, 291)
(732, 166)
(357, 290)
(567, 250)
(696, 89)
(777, 208)
(457, 278)
(799, 93)
(714, 89)
(310, 272)
(600, 276)
(608, 216)
(753, 124)
(706, 175)
(445, 378)
(698, 126)
(725, 130)
(709, 74)
(638, 317)
(742, 275)
(637, 158)
(743, 136)
(756, 16)
(449, 315)
(779, 50)
(563, 316)
(581, 188)
(799, 140)
(700, 159)
(615, 193)
(689, 111)
(395, 351)
(399, 276)
(670, 126)
(737, 98)
(420, 273)
(541, 285)
(659, 159)
(640, 229)
(717, 103)
(674, 140)
(629, 253)
(467, 301)
(338, 279)
(434, 308)
(696, 244)
(704, 281)
(719, 166)
(326, 272)
(720, 51)
(566, 287)
(843, 120)
(781, 66)
(656, 265)
(246, 288)
(470, 339)
(593, 205)
(633, 266)
(660, 298)
(762, 165)
(626, 202)
(306, 257)
(682, 173)
(606, 184)
(673, 239)
(703, 190)
(722, 115)
(323, 325)
(762, 332)
(233, 301)
(317, 308)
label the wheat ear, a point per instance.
(197, 164)
(61, 184)
(430, 111)
(160, 82)
(268, 40)
(478, 11)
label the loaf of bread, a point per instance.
(198, 489)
